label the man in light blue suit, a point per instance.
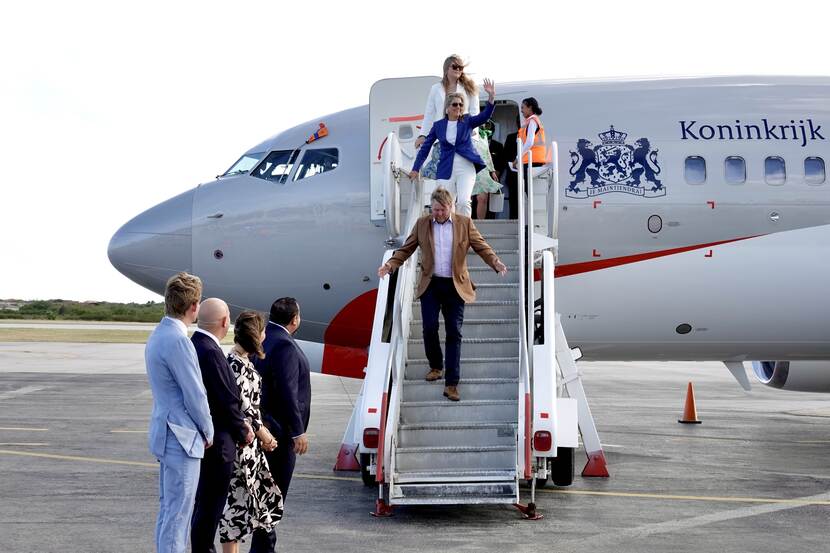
(180, 425)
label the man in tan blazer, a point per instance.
(445, 285)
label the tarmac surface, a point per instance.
(75, 473)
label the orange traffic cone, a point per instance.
(689, 411)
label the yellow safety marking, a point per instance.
(149, 465)
(689, 497)
(326, 477)
(769, 500)
(76, 458)
(20, 428)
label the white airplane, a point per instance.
(692, 218)
(694, 221)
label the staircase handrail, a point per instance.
(523, 460)
(399, 337)
(392, 193)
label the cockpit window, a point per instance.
(276, 166)
(315, 162)
(244, 164)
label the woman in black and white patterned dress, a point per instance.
(254, 500)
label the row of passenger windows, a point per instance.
(775, 170)
(278, 165)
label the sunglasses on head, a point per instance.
(457, 105)
(457, 67)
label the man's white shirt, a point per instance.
(442, 240)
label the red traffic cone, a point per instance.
(689, 411)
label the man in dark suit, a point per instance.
(231, 428)
(285, 403)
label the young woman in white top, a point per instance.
(454, 80)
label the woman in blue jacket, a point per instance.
(459, 160)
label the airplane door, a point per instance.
(395, 105)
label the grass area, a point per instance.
(58, 310)
(107, 336)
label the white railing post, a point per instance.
(553, 219)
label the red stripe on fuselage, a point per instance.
(406, 118)
(589, 266)
(346, 340)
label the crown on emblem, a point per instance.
(612, 137)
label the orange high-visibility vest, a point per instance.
(539, 148)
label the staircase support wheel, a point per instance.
(562, 467)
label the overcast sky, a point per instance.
(109, 108)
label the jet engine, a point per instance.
(798, 376)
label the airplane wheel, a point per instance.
(562, 467)
(367, 477)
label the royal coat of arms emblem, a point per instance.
(614, 166)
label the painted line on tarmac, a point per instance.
(823, 500)
(76, 458)
(22, 444)
(21, 429)
(148, 465)
(21, 392)
(639, 495)
(607, 540)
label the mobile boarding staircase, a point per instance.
(513, 424)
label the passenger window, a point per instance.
(735, 170)
(315, 162)
(276, 166)
(775, 171)
(814, 170)
(695, 170)
(244, 164)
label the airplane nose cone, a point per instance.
(156, 244)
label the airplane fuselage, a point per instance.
(664, 252)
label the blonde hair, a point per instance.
(442, 196)
(181, 292)
(469, 85)
(452, 96)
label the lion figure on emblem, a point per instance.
(647, 161)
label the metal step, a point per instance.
(505, 474)
(460, 433)
(471, 367)
(450, 493)
(466, 410)
(474, 328)
(508, 257)
(469, 388)
(497, 291)
(481, 309)
(471, 347)
(481, 275)
(455, 458)
(489, 227)
(503, 241)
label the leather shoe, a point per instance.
(451, 393)
(434, 374)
